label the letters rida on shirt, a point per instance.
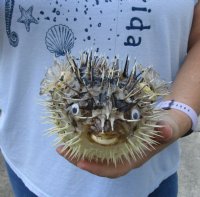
(136, 24)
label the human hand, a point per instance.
(174, 125)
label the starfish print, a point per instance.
(26, 17)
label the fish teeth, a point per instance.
(104, 141)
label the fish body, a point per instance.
(102, 112)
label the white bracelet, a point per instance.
(182, 107)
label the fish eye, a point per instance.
(135, 114)
(62, 78)
(75, 109)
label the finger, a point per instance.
(66, 153)
(105, 170)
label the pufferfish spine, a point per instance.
(101, 112)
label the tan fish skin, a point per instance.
(101, 112)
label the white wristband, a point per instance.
(182, 107)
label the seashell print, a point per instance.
(59, 40)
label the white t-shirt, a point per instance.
(155, 32)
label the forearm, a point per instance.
(186, 87)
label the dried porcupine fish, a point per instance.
(100, 111)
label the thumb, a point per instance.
(165, 132)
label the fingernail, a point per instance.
(59, 149)
(81, 165)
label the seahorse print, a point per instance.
(12, 36)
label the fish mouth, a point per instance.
(106, 139)
(108, 136)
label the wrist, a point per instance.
(181, 122)
(184, 116)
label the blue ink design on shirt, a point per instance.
(59, 40)
(26, 17)
(12, 36)
(137, 24)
